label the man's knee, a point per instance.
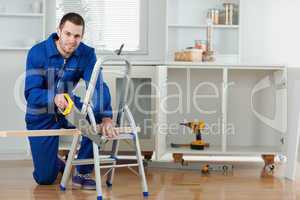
(44, 178)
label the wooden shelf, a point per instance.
(230, 150)
(21, 14)
(221, 65)
(188, 151)
(203, 26)
(14, 48)
(250, 150)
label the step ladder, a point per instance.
(124, 114)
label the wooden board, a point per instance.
(55, 132)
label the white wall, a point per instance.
(156, 29)
(270, 31)
(12, 65)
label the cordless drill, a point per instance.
(196, 127)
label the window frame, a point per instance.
(144, 36)
(144, 25)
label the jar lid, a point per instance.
(194, 50)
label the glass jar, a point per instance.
(201, 44)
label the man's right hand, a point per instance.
(60, 101)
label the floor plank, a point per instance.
(244, 183)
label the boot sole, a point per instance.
(88, 188)
(76, 186)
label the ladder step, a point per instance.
(117, 166)
(102, 161)
(122, 136)
(91, 161)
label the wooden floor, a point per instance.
(16, 182)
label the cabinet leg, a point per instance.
(178, 157)
(269, 167)
(147, 155)
(63, 154)
(205, 169)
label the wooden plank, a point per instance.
(50, 132)
(55, 132)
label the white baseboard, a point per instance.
(15, 154)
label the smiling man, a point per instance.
(54, 67)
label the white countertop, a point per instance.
(216, 65)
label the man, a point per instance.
(54, 67)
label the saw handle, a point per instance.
(69, 107)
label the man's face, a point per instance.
(70, 36)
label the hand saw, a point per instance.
(77, 119)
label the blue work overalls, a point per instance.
(48, 74)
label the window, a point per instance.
(109, 23)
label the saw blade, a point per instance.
(77, 119)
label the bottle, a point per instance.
(216, 17)
(211, 14)
(228, 13)
(36, 7)
(197, 44)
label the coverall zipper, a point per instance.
(60, 75)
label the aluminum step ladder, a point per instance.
(124, 113)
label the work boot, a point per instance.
(84, 181)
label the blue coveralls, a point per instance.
(48, 74)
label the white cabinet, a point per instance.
(140, 102)
(186, 22)
(22, 22)
(244, 108)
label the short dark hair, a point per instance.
(75, 18)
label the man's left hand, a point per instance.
(107, 128)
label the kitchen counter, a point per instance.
(173, 64)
